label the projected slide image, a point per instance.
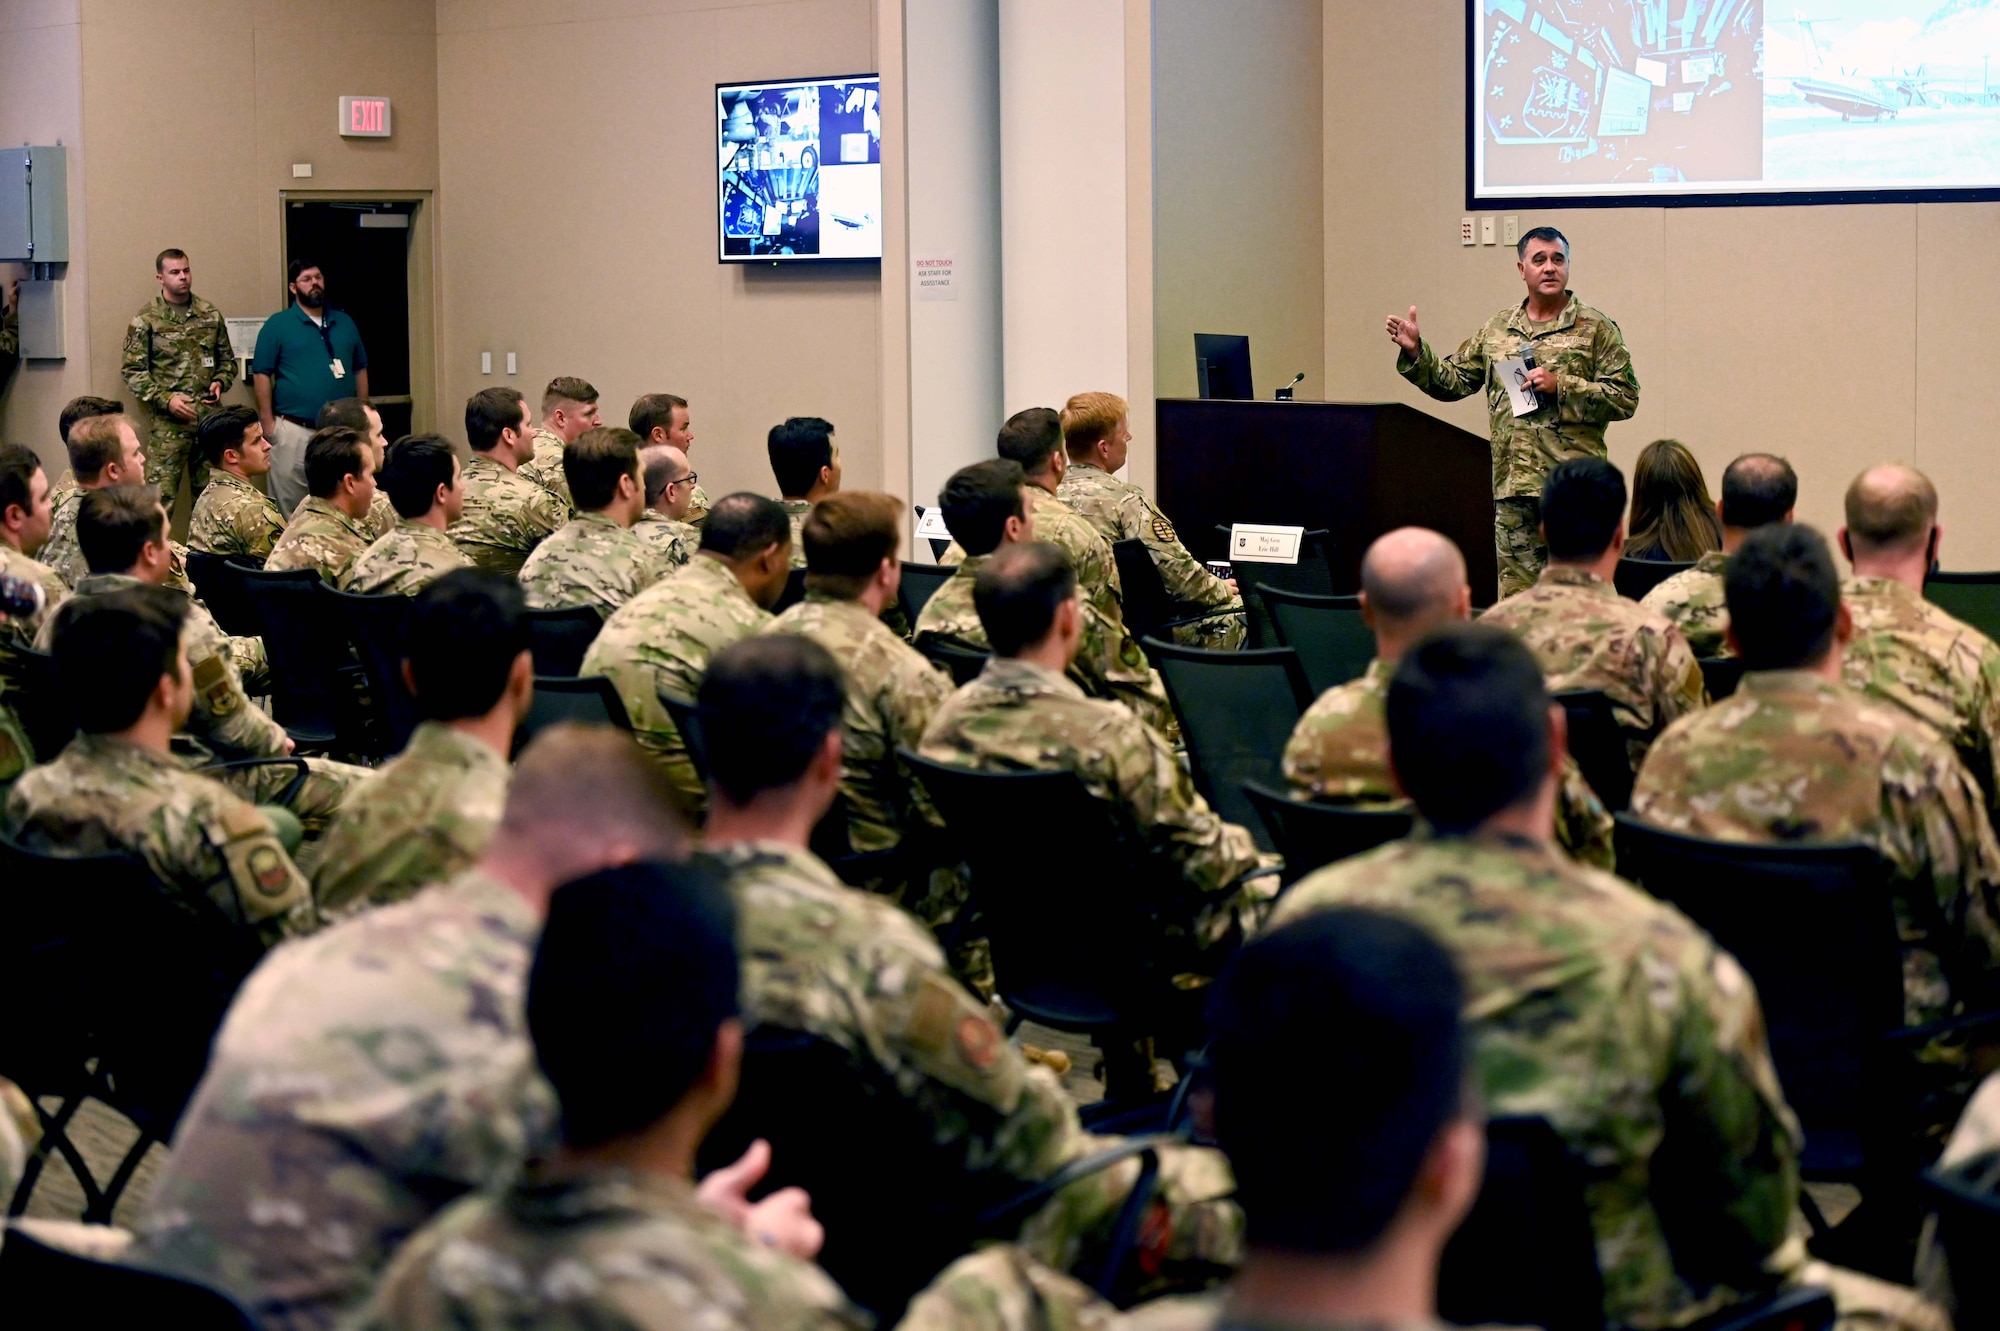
(1602, 98)
(800, 170)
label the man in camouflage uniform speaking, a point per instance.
(1582, 376)
(177, 362)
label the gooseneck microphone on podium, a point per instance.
(1285, 393)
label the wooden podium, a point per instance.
(1355, 469)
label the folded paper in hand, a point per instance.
(1514, 374)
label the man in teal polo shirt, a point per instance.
(307, 356)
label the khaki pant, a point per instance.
(170, 453)
(287, 482)
(1517, 539)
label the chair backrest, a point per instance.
(687, 720)
(559, 638)
(920, 583)
(35, 695)
(1526, 1254)
(1635, 577)
(375, 626)
(1967, 1200)
(963, 663)
(43, 1285)
(1721, 675)
(1312, 575)
(1598, 745)
(1237, 710)
(307, 648)
(1815, 929)
(795, 591)
(592, 700)
(1142, 591)
(1312, 833)
(1972, 597)
(1327, 632)
(218, 582)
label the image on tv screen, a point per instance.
(799, 169)
(1622, 100)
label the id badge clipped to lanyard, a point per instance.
(326, 337)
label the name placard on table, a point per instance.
(1252, 543)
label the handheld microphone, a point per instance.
(1528, 360)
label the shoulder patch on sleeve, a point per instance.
(1162, 529)
(215, 687)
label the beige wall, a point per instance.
(579, 171)
(1837, 336)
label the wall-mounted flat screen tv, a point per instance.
(799, 170)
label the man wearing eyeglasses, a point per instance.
(671, 486)
(307, 356)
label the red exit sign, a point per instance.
(364, 117)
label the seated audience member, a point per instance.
(1412, 580)
(658, 644)
(231, 516)
(1098, 436)
(424, 483)
(75, 410)
(1348, 1199)
(118, 788)
(569, 411)
(1795, 756)
(806, 462)
(670, 491)
(1673, 518)
(330, 529)
(432, 808)
(1757, 489)
(1906, 651)
(25, 514)
(1583, 632)
(662, 418)
(868, 978)
(372, 1075)
(103, 450)
(1599, 1008)
(505, 515)
(986, 508)
(364, 420)
(636, 969)
(596, 558)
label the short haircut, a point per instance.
(1784, 597)
(799, 447)
(1372, 1000)
(767, 704)
(660, 468)
(95, 443)
(334, 452)
(297, 266)
(1758, 489)
(1089, 417)
(567, 388)
(653, 410)
(416, 465)
(465, 631)
(1540, 233)
(349, 411)
(1032, 437)
(977, 501)
(594, 463)
(1017, 593)
(1894, 512)
(634, 973)
(18, 465)
(1468, 719)
(489, 413)
(592, 785)
(111, 650)
(114, 525)
(82, 409)
(1583, 502)
(743, 524)
(160, 259)
(221, 430)
(847, 536)
(1408, 590)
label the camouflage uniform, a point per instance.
(14, 564)
(1587, 636)
(1018, 716)
(505, 517)
(1607, 1013)
(698, 506)
(407, 560)
(592, 561)
(1791, 756)
(176, 349)
(1974, 1153)
(677, 540)
(1339, 751)
(427, 814)
(607, 1248)
(211, 850)
(1119, 512)
(321, 537)
(234, 517)
(61, 551)
(1694, 601)
(382, 517)
(1909, 653)
(1595, 386)
(363, 1079)
(17, 752)
(798, 510)
(545, 468)
(1089, 553)
(657, 646)
(1109, 663)
(821, 958)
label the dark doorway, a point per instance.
(364, 250)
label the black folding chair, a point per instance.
(41, 1285)
(795, 591)
(1149, 611)
(1333, 643)
(962, 663)
(1237, 711)
(1721, 675)
(218, 582)
(559, 638)
(920, 583)
(35, 695)
(1972, 597)
(1966, 1199)
(313, 670)
(1312, 575)
(592, 701)
(1598, 745)
(375, 626)
(1635, 577)
(687, 720)
(1312, 833)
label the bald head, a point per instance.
(1891, 509)
(1757, 490)
(664, 465)
(1413, 579)
(583, 798)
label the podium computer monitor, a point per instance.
(1222, 366)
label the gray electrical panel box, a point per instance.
(34, 205)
